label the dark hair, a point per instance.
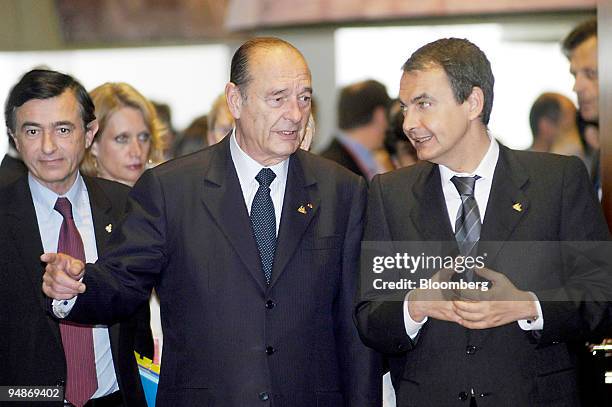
(395, 133)
(465, 65)
(239, 69)
(358, 102)
(547, 105)
(578, 35)
(45, 84)
(193, 137)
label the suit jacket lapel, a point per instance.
(507, 203)
(222, 196)
(101, 207)
(24, 226)
(428, 211)
(300, 206)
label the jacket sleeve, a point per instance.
(120, 282)
(581, 307)
(362, 367)
(380, 323)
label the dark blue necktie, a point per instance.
(467, 223)
(263, 220)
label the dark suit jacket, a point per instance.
(509, 366)
(338, 153)
(230, 339)
(11, 169)
(30, 344)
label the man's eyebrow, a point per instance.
(420, 97)
(307, 89)
(278, 92)
(30, 124)
(63, 123)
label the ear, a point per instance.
(90, 132)
(475, 103)
(94, 148)
(234, 99)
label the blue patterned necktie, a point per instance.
(263, 220)
(467, 223)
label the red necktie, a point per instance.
(81, 380)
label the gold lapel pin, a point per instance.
(517, 207)
(302, 210)
(109, 228)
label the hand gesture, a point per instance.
(61, 280)
(433, 303)
(501, 304)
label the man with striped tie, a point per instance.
(508, 346)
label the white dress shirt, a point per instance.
(49, 224)
(247, 169)
(482, 190)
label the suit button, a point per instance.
(264, 396)
(463, 396)
(470, 349)
(270, 350)
(270, 304)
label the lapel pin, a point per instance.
(302, 210)
(109, 228)
(517, 207)
(309, 205)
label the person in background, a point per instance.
(193, 138)
(580, 48)
(164, 112)
(552, 119)
(130, 135)
(362, 120)
(220, 120)
(400, 149)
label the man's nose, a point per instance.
(293, 112)
(48, 142)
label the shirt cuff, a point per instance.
(412, 327)
(61, 308)
(533, 325)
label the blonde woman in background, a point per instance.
(129, 140)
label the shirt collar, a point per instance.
(45, 199)
(247, 168)
(485, 169)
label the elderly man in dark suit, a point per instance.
(507, 346)
(51, 119)
(252, 246)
